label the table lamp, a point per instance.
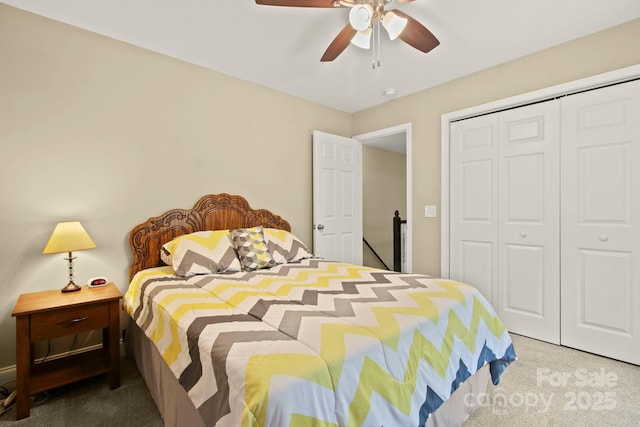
(68, 237)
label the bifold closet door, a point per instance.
(504, 214)
(601, 221)
(473, 254)
(529, 219)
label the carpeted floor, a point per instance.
(91, 403)
(550, 385)
(547, 386)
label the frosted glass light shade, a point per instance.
(68, 237)
(394, 24)
(362, 39)
(360, 16)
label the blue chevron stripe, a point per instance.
(496, 366)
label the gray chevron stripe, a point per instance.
(191, 257)
(292, 251)
(217, 405)
(156, 291)
(291, 321)
(279, 270)
(193, 371)
(197, 284)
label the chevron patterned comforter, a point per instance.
(318, 343)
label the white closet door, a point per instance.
(474, 203)
(601, 221)
(529, 235)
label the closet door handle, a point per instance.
(603, 238)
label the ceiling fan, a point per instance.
(365, 18)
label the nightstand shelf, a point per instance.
(65, 370)
(50, 314)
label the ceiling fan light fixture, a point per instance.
(394, 24)
(362, 39)
(360, 16)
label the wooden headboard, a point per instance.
(211, 212)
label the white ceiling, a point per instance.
(280, 47)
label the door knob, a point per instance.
(603, 237)
(523, 234)
(320, 227)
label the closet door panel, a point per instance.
(524, 272)
(474, 203)
(601, 221)
(529, 258)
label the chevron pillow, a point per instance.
(285, 246)
(202, 252)
(252, 248)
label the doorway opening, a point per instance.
(386, 187)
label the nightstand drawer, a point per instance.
(69, 321)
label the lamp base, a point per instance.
(71, 287)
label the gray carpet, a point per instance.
(551, 385)
(91, 403)
(609, 397)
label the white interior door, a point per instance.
(601, 221)
(337, 198)
(528, 231)
(474, 203)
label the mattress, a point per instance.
(316, 342)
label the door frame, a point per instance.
(394, 130)
(588, 83)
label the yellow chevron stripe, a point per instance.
(280, 235)
(170, 354)
(289, 283)
(133, 293)
(209, 241)
(374, 378)
(261, 368)
(299, 420)
(388, 331)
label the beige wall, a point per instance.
(110, 134)
(608, 50)
(384, 189)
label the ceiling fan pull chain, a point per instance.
(373, 48)
(375, 51)
(379, 44)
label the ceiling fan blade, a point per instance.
(297, 3)
(416, 35)
(339, 44)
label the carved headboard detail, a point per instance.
(211, 212)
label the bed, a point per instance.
(266, 334)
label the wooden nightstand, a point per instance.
(49, 314)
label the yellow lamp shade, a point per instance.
(68, 237)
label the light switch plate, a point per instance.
(430, 211)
